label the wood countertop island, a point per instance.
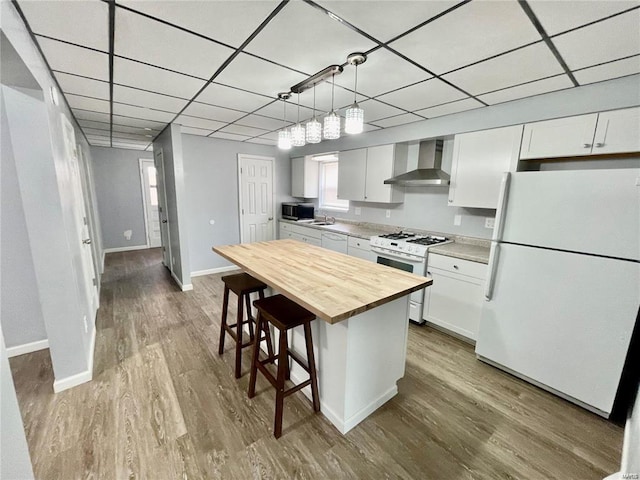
(361, 346)
(332, 285)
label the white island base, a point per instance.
(359, 361)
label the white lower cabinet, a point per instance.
(359, 247)
(454, 300)
(308, 235)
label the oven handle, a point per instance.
(384, 253)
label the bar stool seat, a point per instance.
(243, 285)
(284, 315)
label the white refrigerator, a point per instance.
(563, 286)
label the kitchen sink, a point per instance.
(319, 224)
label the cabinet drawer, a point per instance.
(457, 265)
(355, 242)
(285, 226)
(306, 231)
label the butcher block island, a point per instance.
(360, 337)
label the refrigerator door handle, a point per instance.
(502, 207)
(491, 273)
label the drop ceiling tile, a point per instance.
(242, 130)
(133, 74)
(138, 122)
(82, 23)
(150, 41)
(620, 68)
(93, 124)
(117, 128)
(397, 120)
(262, 141)
(527, 90)
(225, 96)
(374, 110)
(212, 112)
(602, 42)
(83, 86)
(128, 136)
(142, 98)
(342, 98)
(229, 136)
(195, 131)
(97, 132)
(195, 122)
(129, 144)
(370, 128)
(275, 110)
(270, 136)
(92, 116)
(385, 20)
(86, 103)
(423, 95)
(69, 58)
(142, 113)
(230, 22)
(558, 17)
(527, 64)
(449, 108)
(470, 33)
(99, 141)
(255, 75)
(324, 42)
(258, 121)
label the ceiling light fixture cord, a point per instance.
(356, 86)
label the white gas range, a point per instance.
(407, 251)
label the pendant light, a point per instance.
(354, 116)
(331, 129)
(284, 136)
(314, 127)
(297, 131)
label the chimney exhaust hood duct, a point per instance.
(428, 172)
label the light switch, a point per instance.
(457, 219)
(388, 213)
(358, 210)
(489, 222)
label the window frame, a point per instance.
(321, 187)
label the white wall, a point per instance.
(211, 188)
(119, 195)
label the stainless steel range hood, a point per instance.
(428, 172)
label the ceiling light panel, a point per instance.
(530, 63)
(386, 20)
(82, 23)
(212, 112)
(195, 122)
(86, 103)
(242, 73)
(620, 68)
(423, 95)
(324, 42)
(230, 22)
(142, 98)
(83, 86)
(398, 120)
(558, 17)
(450, 108)
(141, 112)
(602, 42)
(69, 58)
(224, 96)
(134, 74)
(528, 89)
(374, 110)
(150, 41)
(475, 31)
(242, 130)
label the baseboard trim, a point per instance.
(125, 249)
(184, 288)
(27, 348)
(211, 271)
(79, 378)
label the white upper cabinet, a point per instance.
(304, 177)
(479, 160)
(362, 172)
(616, 131)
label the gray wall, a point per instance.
(15, 462)
(119, 195)
(211, 180)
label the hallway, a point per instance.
(164, 405)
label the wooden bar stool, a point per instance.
(243, 285)
(284, 315)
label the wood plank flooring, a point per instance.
(164, 405)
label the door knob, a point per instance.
(586, 145)
(599, 145)
(270, 218)
(164, 221)
(86, 241)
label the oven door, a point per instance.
(417, 266)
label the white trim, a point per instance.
(79, 378)
(211, 271)
(104, 254)
(125, 249)
(144, 196)
(27, 348)
(184, 288)
(272, 160)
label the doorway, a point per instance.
(257, 205)
(149, 184)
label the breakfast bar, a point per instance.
(360, 343)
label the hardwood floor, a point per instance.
(164, 405)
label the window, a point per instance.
(329, 186)
(153, 186)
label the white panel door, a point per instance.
(562, 319)
(256, 198)
(352, 170)
(618, 131)
(149, 182)
(562, 137)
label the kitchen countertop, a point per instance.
(332, 285)
(465, 251)
(360, 230)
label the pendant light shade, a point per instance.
(331, 130)
(297, 131)
(354, 116)
(284, 135)
(314, 127)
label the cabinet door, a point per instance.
(363, 254)
(563, 137)
(618, 132)
(304, 177)
(479, 160)
(379, 168)
(297, 177)
(352, 170)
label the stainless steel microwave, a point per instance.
(297, 211)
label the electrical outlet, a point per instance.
(86, 325)
(489, 222)
(358, 210)
(388, 213)
(457, 219)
